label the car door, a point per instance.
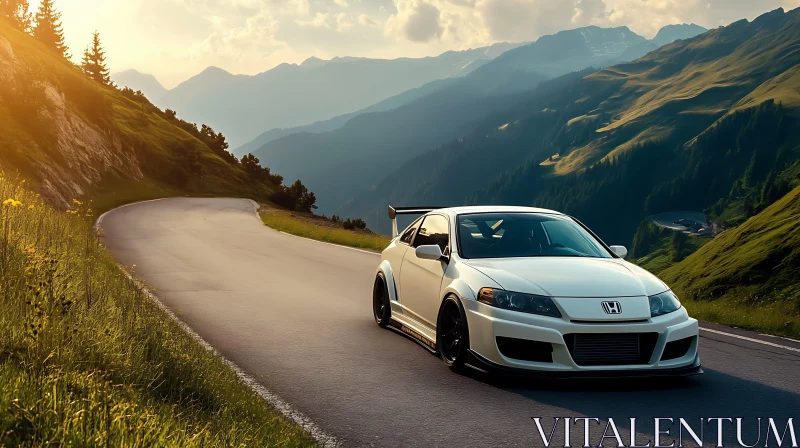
(395, 255)
(421, 280)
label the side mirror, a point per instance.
(619, 250)
(429, 252)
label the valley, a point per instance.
(194, 263)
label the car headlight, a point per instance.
(664, 303)
(515, 301)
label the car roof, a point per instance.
(497, 209)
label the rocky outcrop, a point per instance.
(83, 155)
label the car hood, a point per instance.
(570, 276)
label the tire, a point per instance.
(381, 309)
(452, 333)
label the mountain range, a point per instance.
(341, 163)
(147, 84)
(242, 106)
(707, 123)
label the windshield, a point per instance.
(502, 235)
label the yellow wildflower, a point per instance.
(16, 204)
(8, 202)
(30, 207)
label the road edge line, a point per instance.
(320, 436)
(745, 338)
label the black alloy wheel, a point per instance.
(381, 309)
(452, 334)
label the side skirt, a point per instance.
(413, 334)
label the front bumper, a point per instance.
(483, 365)
(486, 323)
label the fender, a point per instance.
(460, 289)
(388, 273)
(460, 280)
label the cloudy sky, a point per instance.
(175, 39)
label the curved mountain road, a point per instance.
(296, 315)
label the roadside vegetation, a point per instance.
(656, 248)
(331, 230)
(86, 359)
(747, 276)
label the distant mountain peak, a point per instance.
(213, 70)
(144, 82)
(313, 62)
(671, 33)
(132, 71)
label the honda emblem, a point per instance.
(612, 307)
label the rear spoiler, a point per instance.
(394, 211)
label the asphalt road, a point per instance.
(296, 315)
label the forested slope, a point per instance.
(703, 123)
(73, 137)
(346, 161)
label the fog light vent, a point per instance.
(525, 350)
(677, 349)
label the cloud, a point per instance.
(343, 22)
(254, 39)
(590, 12)
(416, 21)
(463, 23)
(515, 20)
(318, 20)
(364, 20)
(178, 38)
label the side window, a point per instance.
(408, 235)
(434, 230)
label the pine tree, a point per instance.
(17, 12)
(94, 61)
(48, 28)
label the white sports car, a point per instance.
(531, 291)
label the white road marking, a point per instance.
(100, 219)
(745, 338)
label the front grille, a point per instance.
(611, 349)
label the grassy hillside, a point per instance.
(748, 276)
(656, 248)
(71, 137)
(86, 359)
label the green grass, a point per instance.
(291, 223)
(771, 317)
(747, 276)
(86, 359)
(112, 194)
(664, 255)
